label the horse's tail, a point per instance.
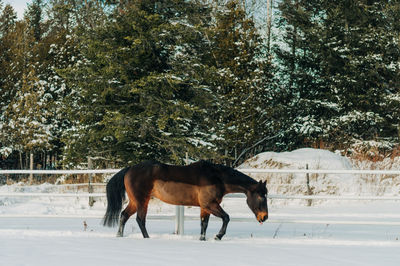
(115, 197)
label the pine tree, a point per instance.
(13, 62)
(34, 15)
(32, 117)
(364, 71)
(58, 50)
(309, 103)
(27, 128)
(7, 20)
(7, 25)
(138, 94)
(243, 81)
(341, 64)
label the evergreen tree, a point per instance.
(33, 15)
(243, 81)
(7, 25)
(341, 63)
(7, 20)
(13, 64)
(138, 95)
(27, 128)
(32, 115)
(363, 70)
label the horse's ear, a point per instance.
(260, 186)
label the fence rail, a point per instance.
(243, 170)
(232, 219)
(271, 196)
(60, 172)
(319, 171)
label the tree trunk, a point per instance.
(20, 160)
(269, 20)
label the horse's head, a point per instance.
(257, 200)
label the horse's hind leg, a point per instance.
(125, 214)
(216, 209)
(204, 216)
(141, 218)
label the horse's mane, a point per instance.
(226, 174)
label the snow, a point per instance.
(322, 184)
(5, 151)
(315, 158)
(63, 241)
(296, 184)
(50, 231)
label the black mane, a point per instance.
(227, 175)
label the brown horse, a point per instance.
(200, 184)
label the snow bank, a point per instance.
(320, 184)
(298, 159)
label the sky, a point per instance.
(18, 5)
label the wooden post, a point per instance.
(90, 187)
(31, 167)
(309, 191)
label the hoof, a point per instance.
(202, 238)
(218, 237)
(119, 235)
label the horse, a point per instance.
(201, 184)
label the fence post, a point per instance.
(180, 212)
(90, 187)
(309, 190)
(31, 167)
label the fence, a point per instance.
(244, 170)
(179, 210)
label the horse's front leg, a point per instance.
(204, 216)
(217, 210)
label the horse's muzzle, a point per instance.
(262, 217)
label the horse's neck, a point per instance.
(233, 188)
(238, 183)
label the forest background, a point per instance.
(129, 80)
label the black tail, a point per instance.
(115, 197)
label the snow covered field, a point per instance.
(41, 241)
(332, 234)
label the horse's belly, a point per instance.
(176, 193)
